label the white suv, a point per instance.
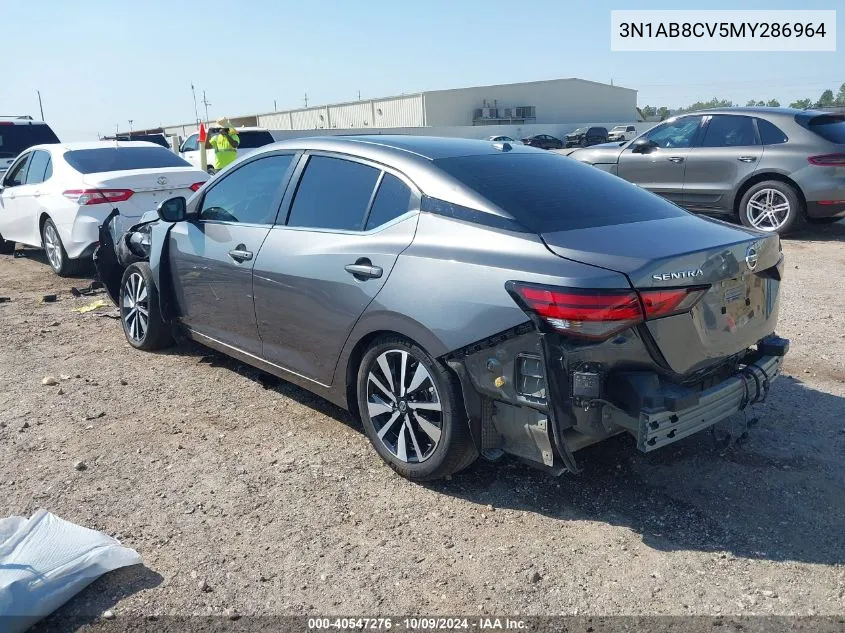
(622, 133)
(18, 133)
(251, 139)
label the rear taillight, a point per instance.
(85, 197)
(196, 186)
(598, 314)
(827, 160)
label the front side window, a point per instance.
(191, 143)
(39, 164)
(725, 130)
(249, 194)
(17, 172)
(393, 199)
(677, 133)
(333, 194)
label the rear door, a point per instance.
(660, 169)
(318, 270)
(212, 257)
(729, 152)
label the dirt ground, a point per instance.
(247, 495)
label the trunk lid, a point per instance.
(741, 302)
(150, 186)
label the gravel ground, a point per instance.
(247, 495)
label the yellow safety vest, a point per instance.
(224, 153)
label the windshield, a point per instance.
(92, 161)
(549, 192)
(618, 128)
(580, 130)
(16, 138)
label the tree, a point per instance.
(840, 98)
(801, 104)
(649, 111)
(663, 113)
(826, 99)
(751, 103)
(704, 105)
(773, 103)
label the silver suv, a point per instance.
(18, 133)
(773, 168)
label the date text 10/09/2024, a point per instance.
(417, 624)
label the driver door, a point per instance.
(660, 167)
(16, 201)
(212, 256)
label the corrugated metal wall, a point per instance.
(277, 121)
(311, 119)
(352, 115)
(399, 112)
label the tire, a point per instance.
(419, 446)
(57, 257)
(816, 221)
(772, 206)
(6, 247)
(139, 295)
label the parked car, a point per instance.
(56, 196)
(19, 133)
(251, 138)
(773, 168)
(543, 141)
(158, 139)
(586, 136)
(503, 139)
(622, 133)
(461, 297)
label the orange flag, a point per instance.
(202, 138)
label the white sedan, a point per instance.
(56, 196)
(503, 139)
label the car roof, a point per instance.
(759, 111)
(389, 145)
(70, 147)
(21, 120)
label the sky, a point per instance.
(100, 63)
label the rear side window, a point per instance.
(16, 138)
(393, 199)
(250, 140)
(38, 166)
(830, 127)
(333, 194)
(729, 131)
(549, 192)
(248, 194)
(770, 134)
(92, 161)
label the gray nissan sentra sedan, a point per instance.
(462, 298)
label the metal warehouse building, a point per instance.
(548, 104)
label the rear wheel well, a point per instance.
(41, 220)
(354, 362)
(756, 178)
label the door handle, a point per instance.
(747, 159)
(363, 269)
(676, 159)
(240, 254)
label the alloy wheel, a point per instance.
(768, 210)
(404, 406)
(53, 246)
(135, 307)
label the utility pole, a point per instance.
(196, 112)
(359, 95)
(306, 99)
(116, 128)
(275, 107)
(206, 103)
(130, 128)
(40, 106)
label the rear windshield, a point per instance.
(92, 161)
(16, 138)
(830, 127)
(549, 192)
(158, 139)
(250, 140)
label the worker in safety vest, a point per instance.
(224, 143)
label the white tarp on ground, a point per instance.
(45, 561)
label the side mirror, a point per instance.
(642, 146)
(173, 210)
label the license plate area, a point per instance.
(743, 299)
